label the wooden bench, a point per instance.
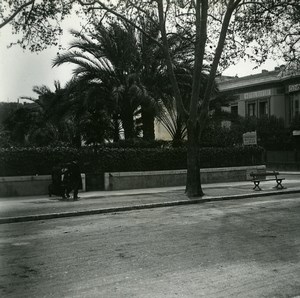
(258, 177)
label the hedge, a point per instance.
(40, 161)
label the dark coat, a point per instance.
(75, 176)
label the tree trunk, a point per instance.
(193, 181)
(148, 124)
(128, 123)
(116, 133)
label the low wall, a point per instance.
(14, 186)
(38, 185)
(135, 180)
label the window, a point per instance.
(251, 109)
(294, 104)
(296, 107)
(234, 110)
(263, 108)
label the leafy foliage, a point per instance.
(31, 161)
(271, 132)
(111, 59)
(271, 29)
(38, 21)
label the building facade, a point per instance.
(269, 93)
(275, 93)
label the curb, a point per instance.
(205, 199)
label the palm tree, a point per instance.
(47, 115)
(108, 58)
(89, 112)
(168, 116)
(18, 124)
(154, 76)
(171, 120)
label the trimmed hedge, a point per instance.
(32, 161)
(231, 156)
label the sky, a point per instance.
(21, 70)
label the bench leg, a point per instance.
(256, 185)
(279, 185)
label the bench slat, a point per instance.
(264, 174)
(265, 180)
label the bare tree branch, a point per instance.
(122, 17)
(142, 10)
(232, 5)
(170, 69)
(10, 18)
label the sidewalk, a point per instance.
(20, 209)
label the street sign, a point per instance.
(293, 88)
(250, 138)
(296, 132)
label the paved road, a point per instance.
(17, 209)
(243, 248)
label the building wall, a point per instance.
(242, 108)
(255, 103)
(277, 106)
(294, 100)
(161, 133)
(274, 93)
(288, 111)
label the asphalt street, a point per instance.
(236, 248)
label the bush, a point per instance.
(271, 132)
(217, 136)
(137, 143)
(32, 161)
(231, 156)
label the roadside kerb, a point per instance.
(205, 199)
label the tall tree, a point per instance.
(48, 121)
(109, 57)
(90, 111)
(18, 124)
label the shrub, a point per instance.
(271, 132)
(217, 136)
(230, 156)
(32, 161)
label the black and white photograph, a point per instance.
(149, 148)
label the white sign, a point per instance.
(250, 138)
(296, 132)
(293, 88)
(256, 94)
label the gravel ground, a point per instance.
(242, 248)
